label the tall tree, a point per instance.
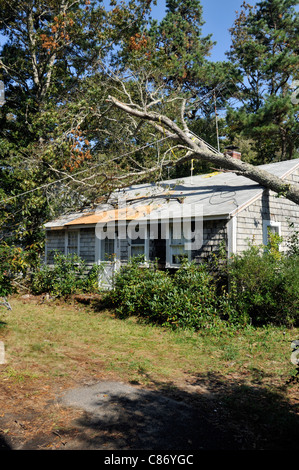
(53, 47)
(50, 46)
(265, 49)
(181, 49)
(171, 57)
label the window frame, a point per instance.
(71, 232)
(266, 225)
(174, 243)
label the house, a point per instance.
(173, 219)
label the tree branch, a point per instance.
(198, 150)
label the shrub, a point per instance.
(264, 287)
(292, 241)
(186, 299)
(13, 264)
(67, 276)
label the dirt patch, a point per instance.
(102, 413)
(81, 405)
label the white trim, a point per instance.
(146, 248)
(270, 223)
(46, 249)
(98, 250)
(66, 242)
(232, 236)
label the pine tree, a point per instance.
(265, 49)
(181, 50)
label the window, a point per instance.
(269, 226)
(137, 238)
(177, 241)
(178, 254)
(107, 249)
(137, 247)
(73, 241)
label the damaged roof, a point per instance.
(213, 195)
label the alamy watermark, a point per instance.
(181, 223)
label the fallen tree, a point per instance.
(196, 148)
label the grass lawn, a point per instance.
(246, 374)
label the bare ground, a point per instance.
(99, 411)
(107, 414)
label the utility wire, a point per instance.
(46, 185)
(218, 88)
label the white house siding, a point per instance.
(249, 225)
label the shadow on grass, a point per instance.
(3, 444)
(213, 414)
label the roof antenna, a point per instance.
(192, 168)
(2, 93)
(216, 118)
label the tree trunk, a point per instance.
(197, 150)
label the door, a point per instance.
(107, 250)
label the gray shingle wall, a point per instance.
(214, 233)
(55, 241)
(266, 207)
(87, 244)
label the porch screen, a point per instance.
(137, 247)
(72, 244)
(107, 249)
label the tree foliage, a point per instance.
(72, 67)
(53, 48)
(265, 48)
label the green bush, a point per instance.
(67, 276)
(186, 299)
(264, 287)
(13, 264)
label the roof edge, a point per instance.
(254, 198)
